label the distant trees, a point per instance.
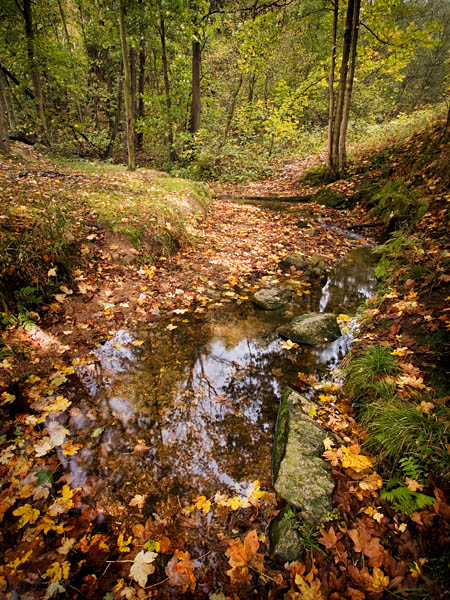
(212, 87)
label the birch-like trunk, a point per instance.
(342, 152)
(331, 85)
(342, 85)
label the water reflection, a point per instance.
(192, 410)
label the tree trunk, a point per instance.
(32, 62)
(115, 124)
(232, 109)
(127, 88)
(4, 139)
(196, 106)
(331, 83)
(141, 89)
(342, 154)
(446, 134)
(165, 64)
(334, 162)
(9, 104)
(133, 82)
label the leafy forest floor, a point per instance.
(87, 250)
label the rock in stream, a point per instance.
(273, 298)
(301, 475)
(312, 328)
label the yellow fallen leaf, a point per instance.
(27, 514)
(138, 342)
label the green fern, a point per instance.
(406, 501)
(411, 468)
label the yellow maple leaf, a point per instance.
(201, 503)
(352, 459)
(27, 514)
(69, 448)
(378, 582)
(57, 571)
(124, 546)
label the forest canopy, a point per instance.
(215, 88)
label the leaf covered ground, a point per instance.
(57, 544)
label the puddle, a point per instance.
(192, 410)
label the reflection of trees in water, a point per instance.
(202, 403)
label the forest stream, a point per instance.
(192, 409)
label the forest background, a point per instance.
(215, 89)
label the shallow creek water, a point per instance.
(192, 410)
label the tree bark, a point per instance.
(141, 89)
(346, 47)
(165, 64)
(9, 104)
(35, 76)
(196, 106)
(331, 81)
(4, 139)
(127, 88)
(342, 153)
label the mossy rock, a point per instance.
(285, 539)
(297, 261)
(329, 197)
(301, 475)
(317, 269)
(312, 328)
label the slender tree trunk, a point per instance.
(127, 88)
(133, 82)
(251, 88)
(4, 139)
(334, 163)
(165, 65)
(38, 95)
(446, 134)
(63, 20)
(231, 109)
(9, 104)
(141, 89)
(348, 88)
(196, 106)
(70, 47)
(331, 84)
(115, 124)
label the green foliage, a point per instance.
(403, 499)
(399, 432)
(394, 201)
(367, 369)
(400, 250)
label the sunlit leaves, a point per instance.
(57, 572)
(27, 514)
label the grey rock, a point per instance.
(312, 328)
(285, 539)
(301, 476)
(298, 261)
(273, 298)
